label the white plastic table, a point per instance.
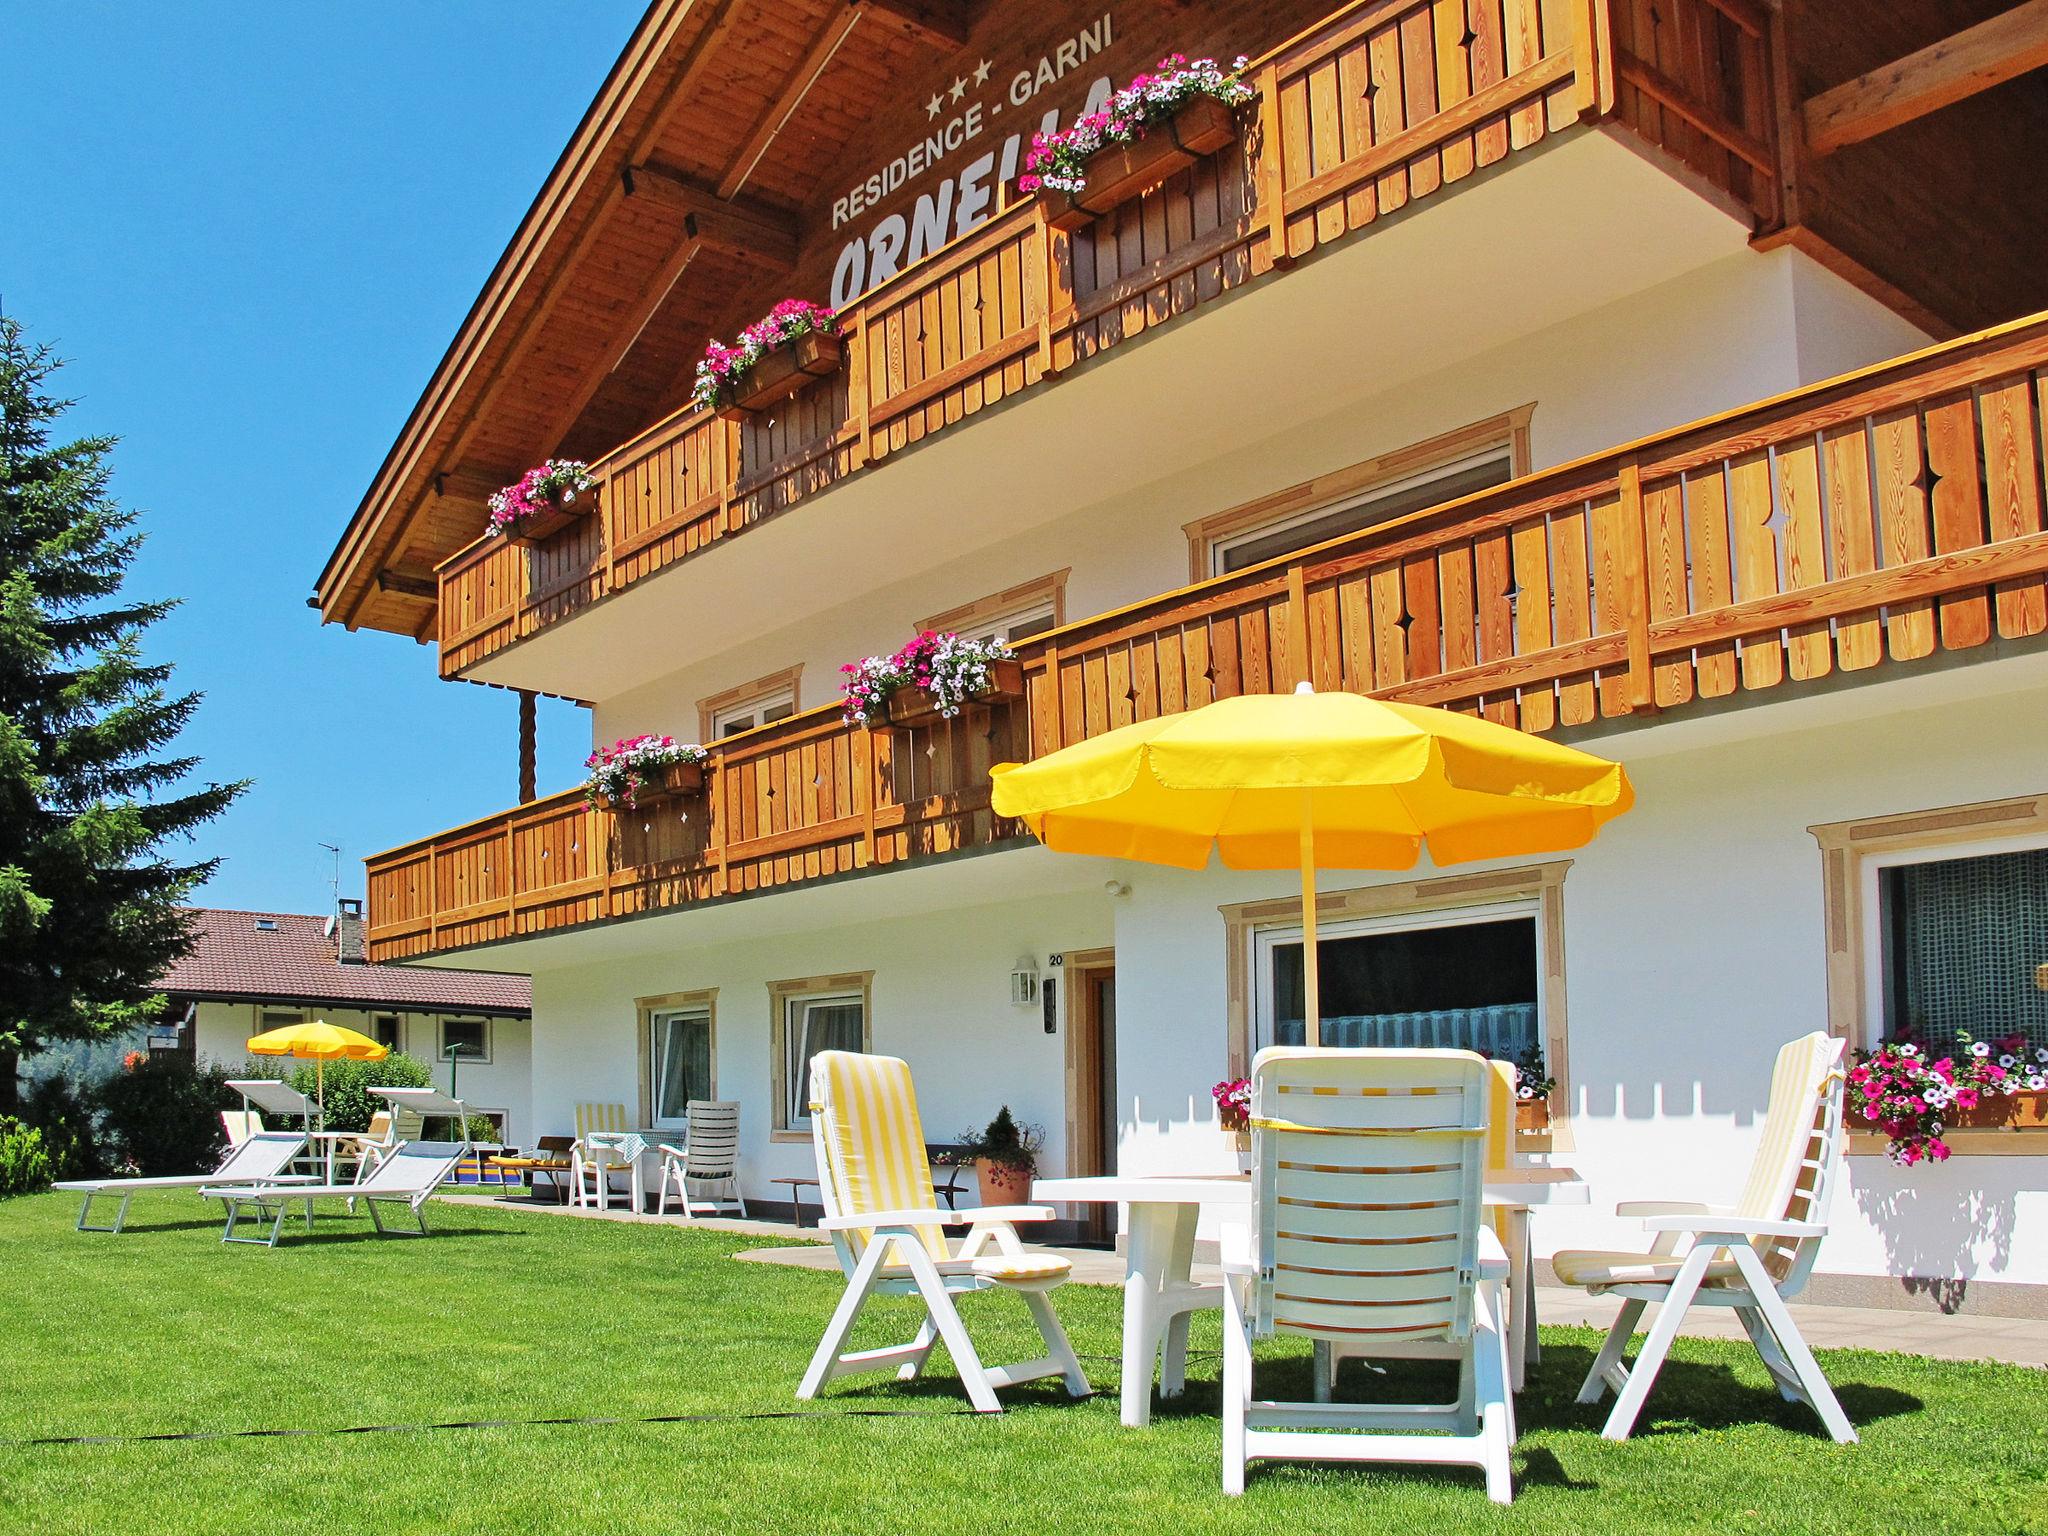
(1159, 1292)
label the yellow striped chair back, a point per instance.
(1500, 1128)
(1800, 1148)
(870, 1142)
(1369, 1168)
(240, 1124)
(600, 1117)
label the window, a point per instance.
(679, 1062)
(1379, 505)
(761, 702)
(1959, 943)
(1030, 608)
(1458, 980)
(471, 1037)
(1467, 960)
(824, 1014)
(1362, 495)
(387, 1031)
(1937, 920)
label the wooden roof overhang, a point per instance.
(719, 121)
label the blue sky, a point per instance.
(253, 228)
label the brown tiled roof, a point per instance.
(295, 961)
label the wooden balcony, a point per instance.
(1871, 520)
(1388, 102)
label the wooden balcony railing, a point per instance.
(1385, 103)
(1876, 518)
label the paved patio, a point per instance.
(2015, 1341)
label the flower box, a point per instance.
(675, 781)
(1532, 1116)
(1117, 173)
(911, 706)
(784, 371)
(543, 502)
(2002, 1110)
(538, 527)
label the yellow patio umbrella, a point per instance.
(321, 1043)
(1315, 780)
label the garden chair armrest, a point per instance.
(1493, 1258)
(1667, 1208)
(1234, 1249)
(987, 1215)
(669, 1149)
(1726, 1226)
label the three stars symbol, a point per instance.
(957, 89)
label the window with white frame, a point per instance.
(1466, 978)
(1955, 943)
(745, 714)
(679, 1062)
(1014, 624)
(471, 1038)
(808, 1022)
(1368, 508)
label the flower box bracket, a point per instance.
(910, 707)
(1118, 173)
(811, 356)
(678, 781)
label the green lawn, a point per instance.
(521, 1318)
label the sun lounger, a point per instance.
(260, 1160)
(408, 1175)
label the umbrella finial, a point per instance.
(1304, 686)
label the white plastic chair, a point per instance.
(708, 1162)
(1367, 1232)
(876, 1188)
(1750, 1256)
(591, 1168)
(241, 1124)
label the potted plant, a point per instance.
(1915, 1095)
(796, 342)
(1533, 1087)
(638, 771)
(933, 678)
(1151, 128)
(1005, 1156)
(544, 501)
(1233, 1098)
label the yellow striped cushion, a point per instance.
(1500, 1130)
(1595, 1267)
(874, 1141)
(1023, 1267)
(600, 1117)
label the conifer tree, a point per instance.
(90, 898)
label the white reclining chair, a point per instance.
(876, 1188)
(260, 1158)
(1367, 1233)
(1749, 1256)
(705, 1170)
(408, 1175)
(591, 1167)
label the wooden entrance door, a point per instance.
(1093, 1120)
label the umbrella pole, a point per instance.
(1311, 970)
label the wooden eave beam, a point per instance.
(401, 582)
(1939, 75)
(737, 225)
(940, 24)
(794, 87)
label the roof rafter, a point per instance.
(941, 24)
(794, 87)
(1939, 75)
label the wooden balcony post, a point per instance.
(857, 384)
(719, 803)
(1272, 195)
(529, 745)
(725, 468)
(1055, 736)
(1635, 576)
(1298, 667)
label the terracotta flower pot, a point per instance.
(1002, 1183)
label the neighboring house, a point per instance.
(1494, 365)
(248, 972)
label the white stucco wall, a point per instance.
(940, 998)
(504, 1083)
(1736, 330)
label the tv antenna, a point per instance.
(333, 879)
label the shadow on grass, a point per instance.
(328, 1236)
